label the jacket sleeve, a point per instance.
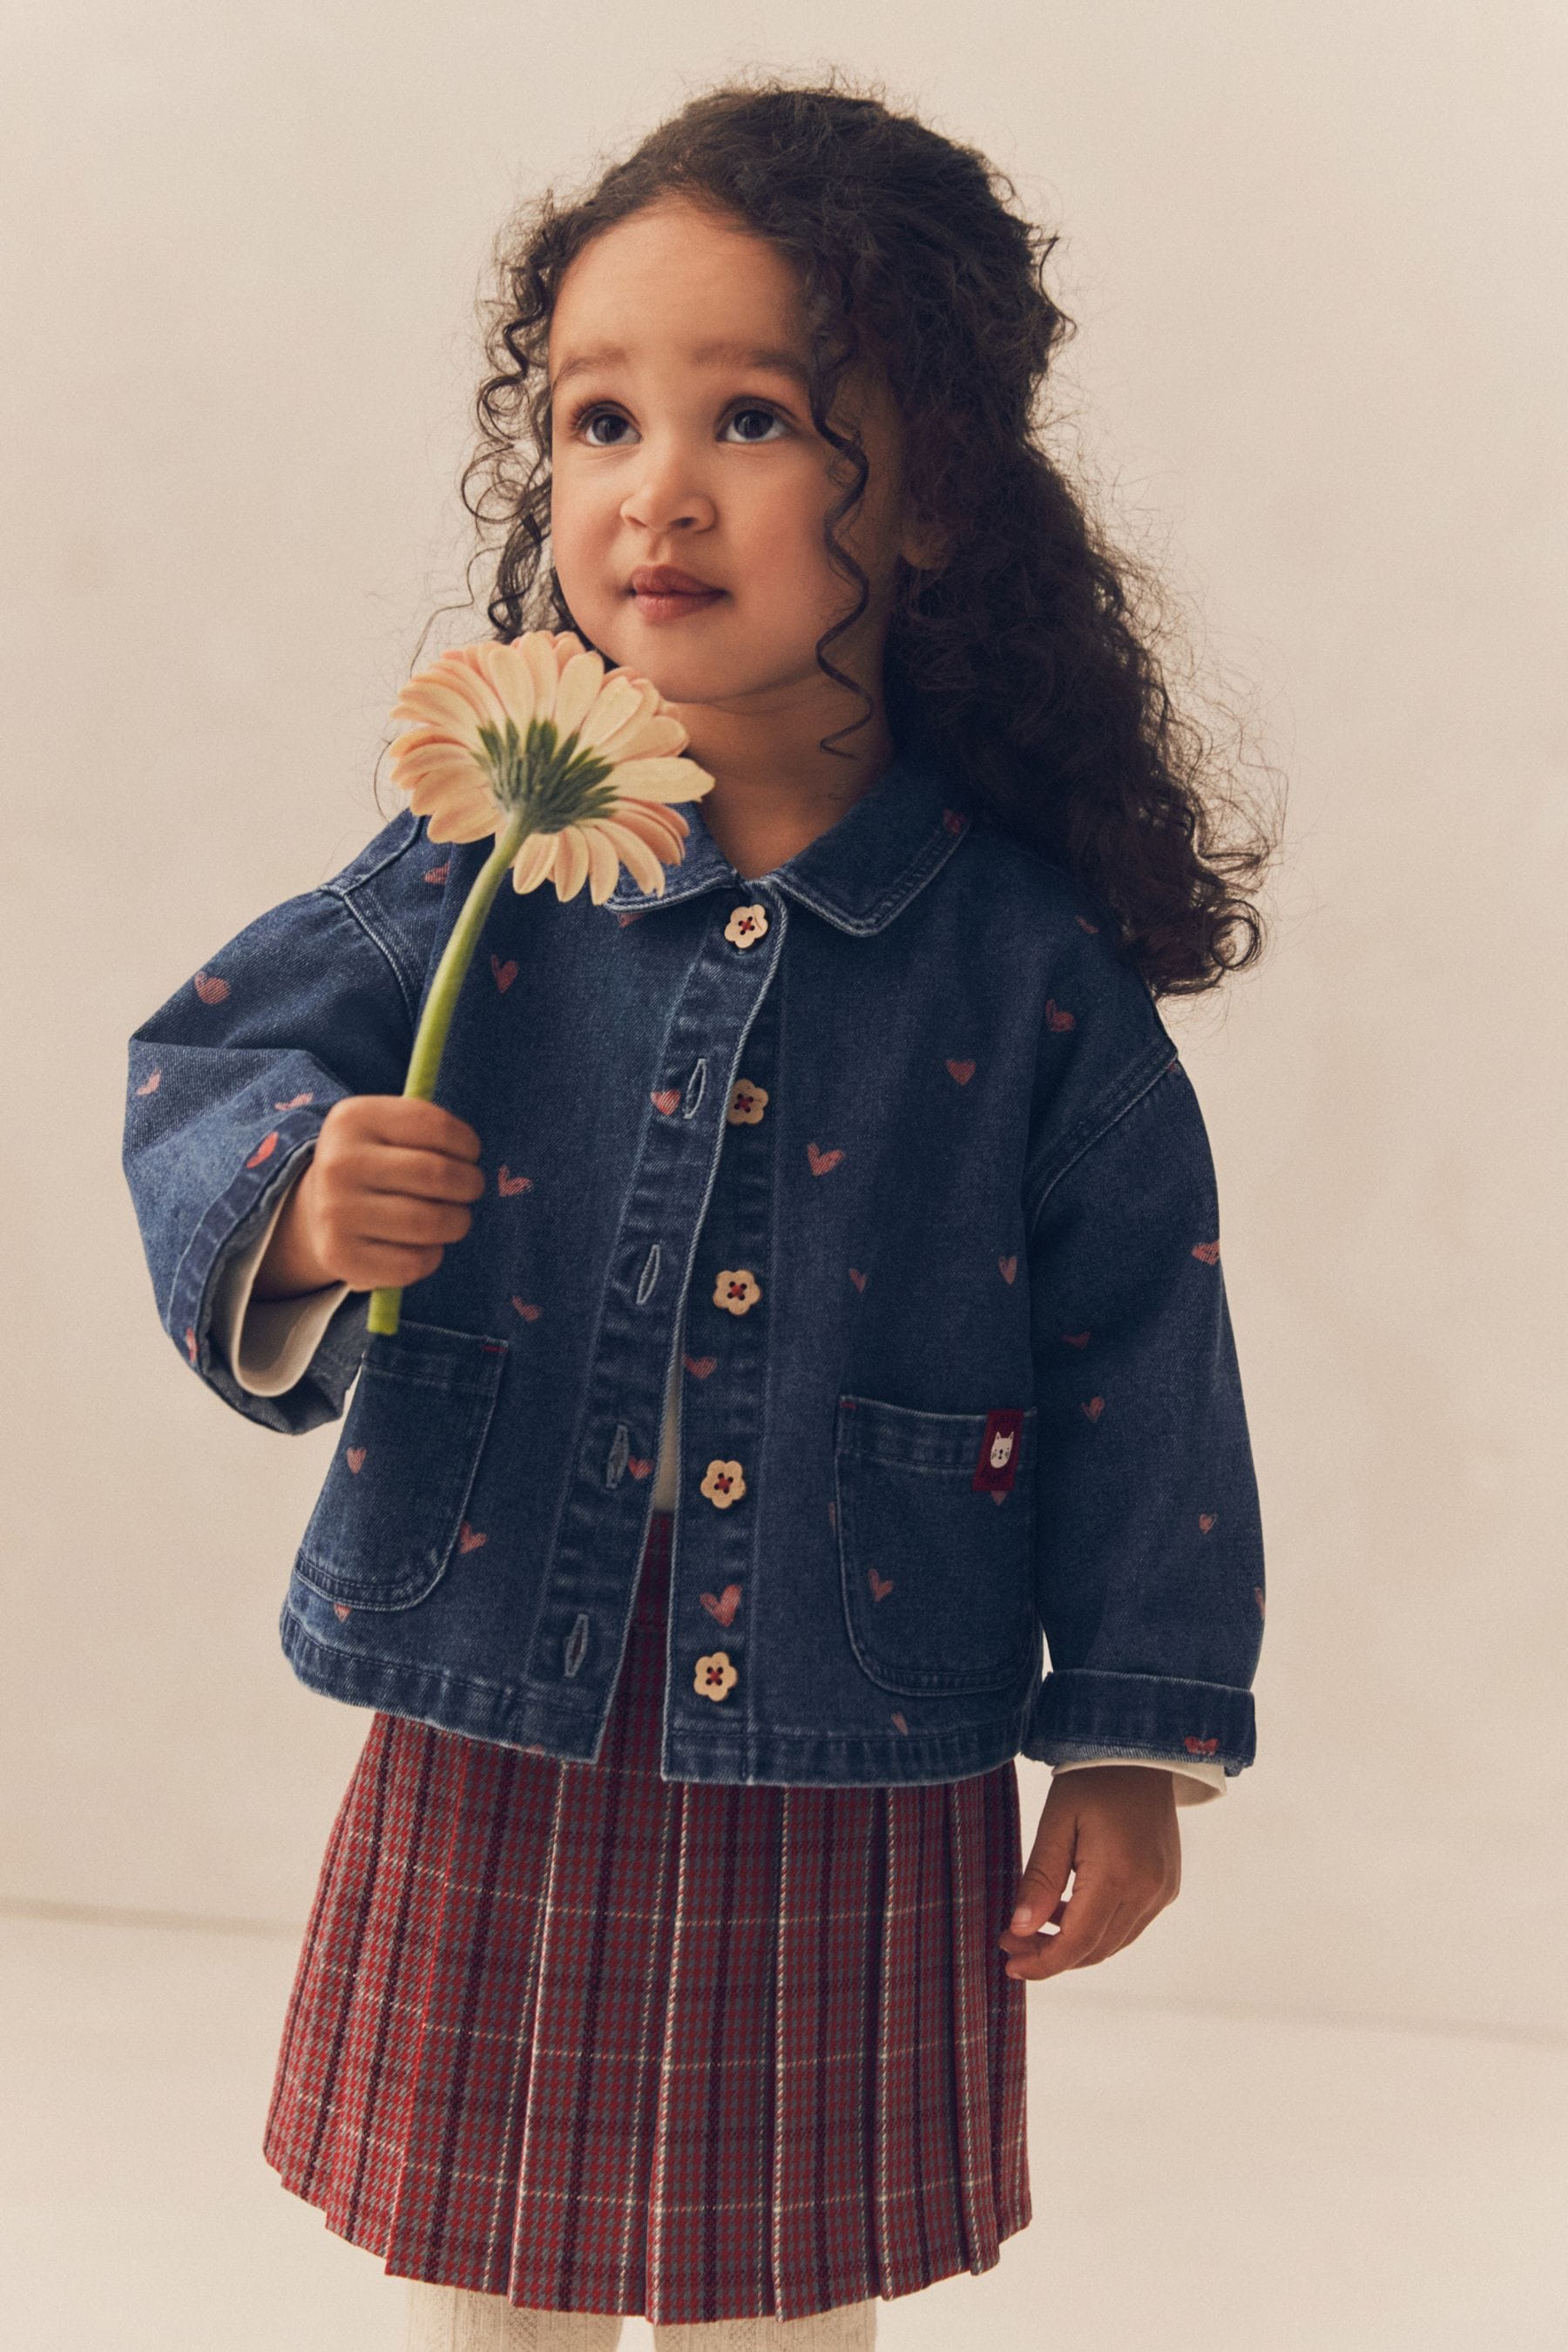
(229, 1082)
(1149, 1558)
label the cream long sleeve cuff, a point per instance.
(1196, 1784)
(270, 1341)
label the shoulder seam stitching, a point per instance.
(1138, 1083)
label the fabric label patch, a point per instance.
(998, 1452)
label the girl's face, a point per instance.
(682, 437)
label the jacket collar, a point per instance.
(860, 873)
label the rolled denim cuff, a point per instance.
(1080, 1716)
(227, 1234)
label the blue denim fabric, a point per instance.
(981, 1185)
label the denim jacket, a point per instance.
(891, 1144)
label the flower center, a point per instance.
(556, 783)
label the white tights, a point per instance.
(451, 2319)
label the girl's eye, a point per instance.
(588, 418)
(592, 416)
(768, 415)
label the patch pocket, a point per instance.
(388, 1514)
(938, 1579)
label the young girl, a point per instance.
(815, 1311)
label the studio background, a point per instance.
(1316, 254)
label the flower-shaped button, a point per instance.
(736, 1289)
(747, 1104)
(724, 1484)
(746, 926)
(715, 1675)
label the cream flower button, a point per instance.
(724, 1484)
(736, 1289)
(746, 926)
(715, 1675)
(747, 1104)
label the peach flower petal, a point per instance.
(662, 780)
(618, 703)
(540, 657)
(647, 736)
(575, 695)
(533, 864)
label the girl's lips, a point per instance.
(674, 605)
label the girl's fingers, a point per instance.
(1086, 1916)
(380, 1267)
(428, 1175)
(410, 1224)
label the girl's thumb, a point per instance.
(1043, 1879)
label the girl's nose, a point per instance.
(665, 496)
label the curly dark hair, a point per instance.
(1023, 657)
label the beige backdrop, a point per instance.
(1317, 254)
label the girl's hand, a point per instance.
(1114, 1827)
(380, 1201)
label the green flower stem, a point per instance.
(430, 1038)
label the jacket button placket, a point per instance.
(576, 1654)
(731, 1293)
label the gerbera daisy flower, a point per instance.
(571, 768)
(537, 730)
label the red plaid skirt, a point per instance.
(597, 2040)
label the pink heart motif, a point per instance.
(998, 1495)
(1009, 1266)
(1257, 1596)
(295, 1102)
(505, 972)
(954, 823)
(635, 917)
(341, 1609)
(264, 1149)
(856, 1278)
(354, 1456)
(880, 1587)
(1056, 1018)
(469, 1538)
(821, 1162)
(1199, 1747)
(701, 1366)
(637, 1466)
(898, 1720)
(150, 1086)
(211, 989)
(507, 1183)
(437, 873)
(962, 1071)
(529, 1312)
(189, 1343)
(1094, 1408)
(665, 1100)
(833, 1516)
(1075, 1338)
(1084, 924)
(724, 1610)
(1205, 1520)
(1207, 1251)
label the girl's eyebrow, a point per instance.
(782, 360)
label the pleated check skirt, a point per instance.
(595, 2041)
